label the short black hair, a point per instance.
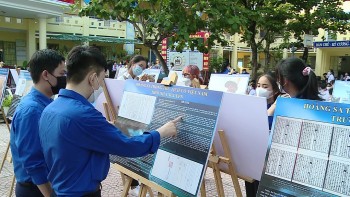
(323, 85)
(83, 59)
(46, 59)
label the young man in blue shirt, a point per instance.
(47, 69)
(76, 138)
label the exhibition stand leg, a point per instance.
(215, 160)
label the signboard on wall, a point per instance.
(186, 57)
(332, 44)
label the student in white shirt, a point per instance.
(135, 68)
(330, 76)
(324, 92)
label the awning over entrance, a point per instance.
(93, 39)
(33, 8)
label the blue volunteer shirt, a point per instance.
(28, 159)
(77, 140)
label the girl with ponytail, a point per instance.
(296, 79)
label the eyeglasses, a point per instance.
(185, 74)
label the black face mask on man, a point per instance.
(61, 84)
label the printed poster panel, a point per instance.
(152, 73)
(14, 74)
(4, 72)
(25, 83)
(147, 106)
(247, 142)
(180, 59)
(309, 152)
(341, 92)
(229, 83)
(185, 58)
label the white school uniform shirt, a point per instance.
(330, 78)
(125, 76)
(324, 94)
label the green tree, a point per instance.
(156, 20)
(308, 16)
(263, 19)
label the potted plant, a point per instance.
(7, 103)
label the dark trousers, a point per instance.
(27, 190)
(251, 188)
(92, 194)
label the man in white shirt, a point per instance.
(330, 76)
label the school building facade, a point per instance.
(27, 26)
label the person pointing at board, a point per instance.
(76, 138)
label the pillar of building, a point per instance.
(86, 29)
(31, 41)
(42, 33)
(234, 54)
(322, 62)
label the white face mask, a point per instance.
(262, 92)
(137, 70)
(186, 81)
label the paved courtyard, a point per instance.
(112, 186)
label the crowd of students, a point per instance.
(60, 147)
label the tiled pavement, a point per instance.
(112, 186)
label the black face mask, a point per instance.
(61, 84)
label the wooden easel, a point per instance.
(8, 144)
(214, 162)
(6, 154)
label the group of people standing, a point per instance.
(60, 147)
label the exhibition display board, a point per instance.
(236, 83)
(309, 152)
(341, 92)
(180, 162)
(24, 84)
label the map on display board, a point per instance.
(24, 84)
(180, 163)
(341, 92)
(4, 72)
(236, 83)
(309, 150)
